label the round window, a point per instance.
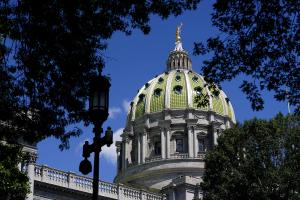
(178, 89)
(141, 98)
(177, 78)
(157, 92)
(195, 79)
(160, 80)
(198, 90)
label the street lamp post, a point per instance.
(98, 110)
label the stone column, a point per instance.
(143, 146)
(168, 139)
(118, 151)
(190, 142)
(191, 124)
(215, 136)
(162, 143)
(30, 174)
(195, 143)
(215, 131)
(165, 137)
(124, 152)
(139, 148)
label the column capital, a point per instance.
(191, 122)
(32, 157)
(118, 146)
(144, 132)
(216, 124)
(125, 136)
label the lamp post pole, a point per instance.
(98, 109)
(97, 131)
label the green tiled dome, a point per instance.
(176, 89)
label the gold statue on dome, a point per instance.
(178, 32)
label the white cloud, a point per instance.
(126, 105)
(113, 111)
(109, 153)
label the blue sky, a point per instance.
(131, 61)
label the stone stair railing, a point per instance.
(70, 180)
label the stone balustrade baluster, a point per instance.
(71, 180)
(71, 183)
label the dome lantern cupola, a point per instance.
(178, 58)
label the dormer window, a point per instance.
(195, 79)
(157, 92)
(198, 90)
(178, 89)
(141, 98)
(160, 80)
(177, 78)
(146, 85)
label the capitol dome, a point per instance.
(177, 89)
(167, 134)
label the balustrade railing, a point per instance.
(70, 180)
(179, 155)
(152, 159)
(201, 155)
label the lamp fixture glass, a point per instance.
(99, 98)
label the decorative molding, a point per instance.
(189, 89)
(164, 124)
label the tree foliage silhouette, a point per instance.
(260, 41)
(49, 50)
(14, 183)
(259, 159)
